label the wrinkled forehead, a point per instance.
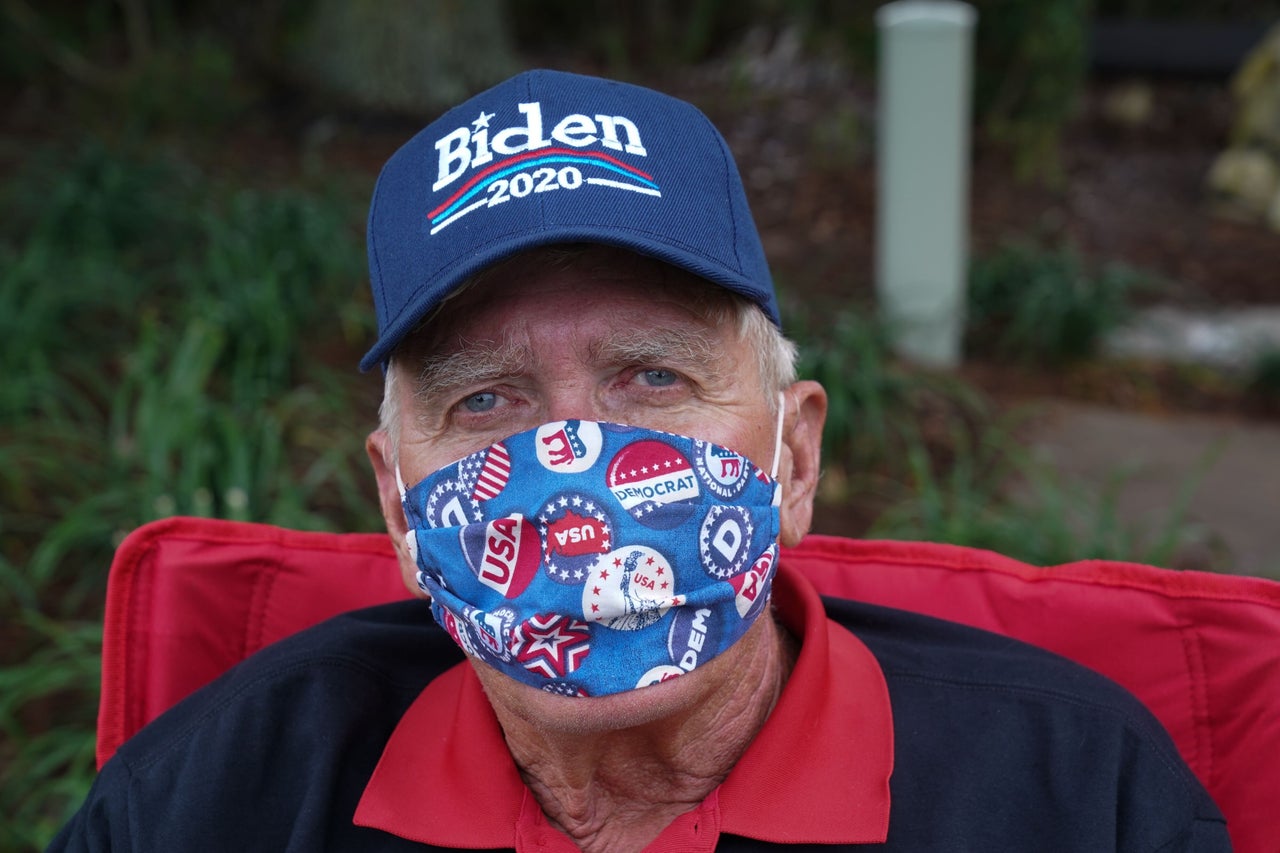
(600, 271)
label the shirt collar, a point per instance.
(818, 771)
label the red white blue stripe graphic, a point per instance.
(464, 200)
(494, 475)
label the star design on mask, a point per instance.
(441, 495)
(562, 688)
(483, 121)
(550, 645)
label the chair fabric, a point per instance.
(188, 598)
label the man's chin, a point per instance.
(587, 714)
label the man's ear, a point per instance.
(805, 411)
(382, 456)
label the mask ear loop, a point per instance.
(410, 535)
(400, 483)
(777, 439)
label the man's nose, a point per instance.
(573, 400)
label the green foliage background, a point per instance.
(158, 338)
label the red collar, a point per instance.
(818, 772)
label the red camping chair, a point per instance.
(188, 598)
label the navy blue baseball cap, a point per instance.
(549, 157)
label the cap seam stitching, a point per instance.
(376, 270)
(728, 169)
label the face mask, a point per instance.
(591, 558)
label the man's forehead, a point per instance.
(601, 274)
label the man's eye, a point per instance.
(481, 402)
(659, 378)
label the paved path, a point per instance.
(1236, 507)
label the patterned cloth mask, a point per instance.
(591, 558)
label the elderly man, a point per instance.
(592, 446)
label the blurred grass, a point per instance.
(1043, 305)
(994, 494)
(170, 345)
(924, 456)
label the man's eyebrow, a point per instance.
(680, 348)
(471, 363)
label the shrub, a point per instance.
(167, 345)
(1043, 306)
(877, 407)
(1030, 62)
(1262, 387)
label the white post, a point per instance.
(922, 233)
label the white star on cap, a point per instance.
(483, 121)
